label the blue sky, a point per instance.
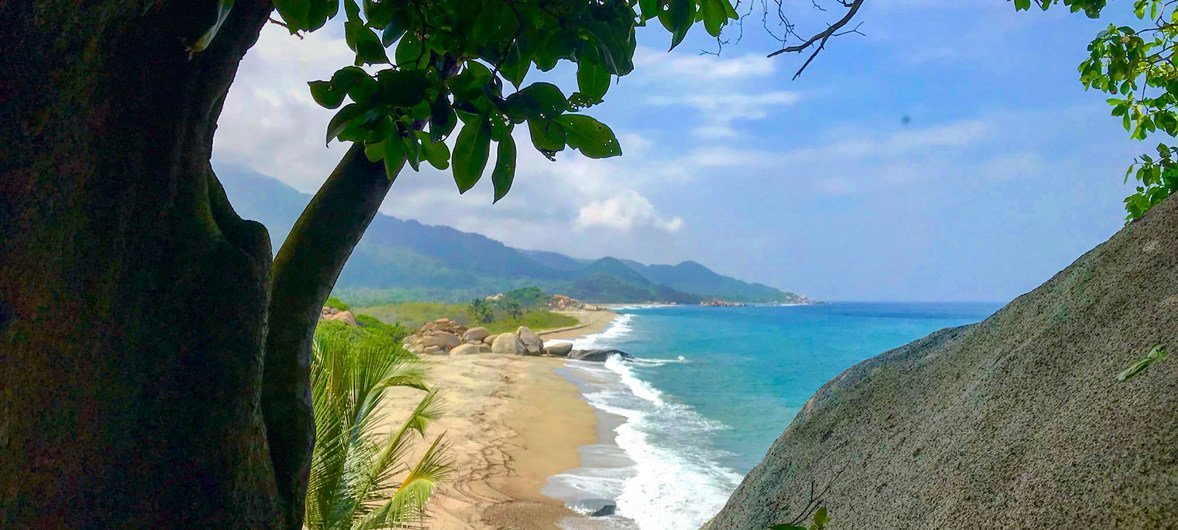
(1005, 173)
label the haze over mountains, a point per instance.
(404, 259)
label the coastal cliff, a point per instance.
(1015, 422)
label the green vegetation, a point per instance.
(1158, 353)
(817, 522)
(528, 298)
(359, 477)
(480, 311)
(414, 314)
(336, 303)
(1135, 66)
(394, 332)
(537, 320)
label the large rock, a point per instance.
(558, 350)
(340, 316)
(594, 507)
(507, 343)
(475, 334)
(489, 340)
(465, 349)
(1016, 422)
(598, 356)
(531, 341)
(442, 340)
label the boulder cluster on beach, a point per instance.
(332, 313)
(447, 337)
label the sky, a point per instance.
(948, 153)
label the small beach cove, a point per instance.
(513, 422)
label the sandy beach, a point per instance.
(512, 422)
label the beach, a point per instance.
(512, 422)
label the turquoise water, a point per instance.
(753, 368)
(712, 388)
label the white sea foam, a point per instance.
(660, 473)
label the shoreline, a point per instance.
(513, 423)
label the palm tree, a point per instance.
(354, 467)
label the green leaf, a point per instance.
(821, 517)
(394, 158)
(436, 153)
(364, 41)
(1158, 353)
(402, 88)
(294, 13)
(374, 152)
(471, 151)
(442, 119)
(547, 135)
(325, 95)
(678, 18)
(592, 79)
(342, 119)
(1022, 5)
(223, 8)
(715, 15)
(410, 53)
(539, 100)
(650, 8)
(515, 66)
(589, 136)
(504, 171)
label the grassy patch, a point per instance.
(537, 320)
(414, 314)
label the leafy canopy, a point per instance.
(1136, 66)
(429, 69)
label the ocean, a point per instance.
(709, 391)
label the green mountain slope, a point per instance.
(693, 277)
(406, 260)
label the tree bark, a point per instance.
(133, 300)
(305, 271)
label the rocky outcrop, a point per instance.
(716, 302)
(475, 335)
(442, 334)
(533, 345)
(1016, 422)
(558, 350)
(331, 313)
(560, 302)
(597, 356)
(507, 343)
(594, 507)
(465, 349)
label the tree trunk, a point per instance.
(133, 301)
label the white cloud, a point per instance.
(720, 89)
(625, 211)
(719, 111)
(659, 65)
(270, 122)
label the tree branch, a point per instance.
(303, 275)
(818, 40)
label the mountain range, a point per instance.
(404, 259)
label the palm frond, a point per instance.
(408, 503)
(354, 467)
